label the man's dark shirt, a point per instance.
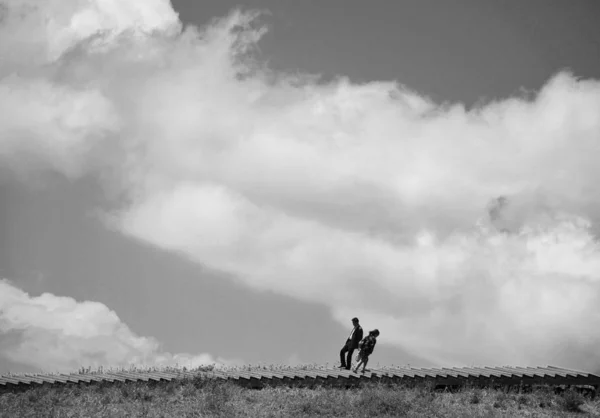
(356, 337)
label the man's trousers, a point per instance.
(346, 360)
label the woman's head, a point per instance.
(375, 332)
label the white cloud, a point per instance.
(56, 333)
(49, 125)
(463, 235)
(43, 30)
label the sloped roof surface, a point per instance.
(259, 377)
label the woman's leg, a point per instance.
(364, 362)
(358, 364)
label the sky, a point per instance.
(221, 182)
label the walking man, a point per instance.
(351, 344)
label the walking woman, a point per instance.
(366, 347)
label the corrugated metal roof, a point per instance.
(497, 375)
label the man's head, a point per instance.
(355, 322)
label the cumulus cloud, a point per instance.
(464, 235)
(47, 125)
(56, 333)
(42, 31)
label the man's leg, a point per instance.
(342, 356)
(349, 359)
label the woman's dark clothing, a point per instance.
(366, 346)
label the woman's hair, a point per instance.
(374, 332)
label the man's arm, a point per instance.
(358, 335)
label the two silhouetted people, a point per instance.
(347, 350)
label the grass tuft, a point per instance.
(572, 401)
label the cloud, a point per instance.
(42, 31)
(46, 125)
(56, 333)
(464, 235)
